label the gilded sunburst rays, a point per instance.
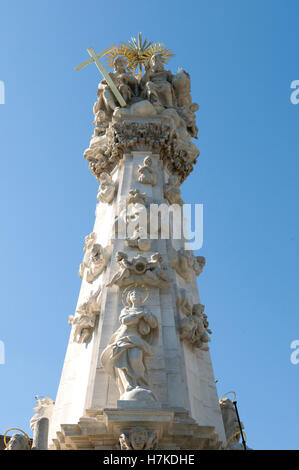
(138, 53)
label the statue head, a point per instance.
(156, 63)
(18, 442)
(135, 297)
(148, 161)
(138, 437)
(198, 310)
(120, 64)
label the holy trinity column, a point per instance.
(137, 372)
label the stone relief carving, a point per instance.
(89, 242)
(132, 223)
(172, 192)
(185, 107)
(125, 356)
(107, 188)
(100, 122)
(184, 301)
(194, 328)
(146, 174)
(85, 318)
(138, 438)
(187, 265)
(231, 424)
(95, 258)
(137, 221)
(136, 197)
(140, 270)
(139, 239)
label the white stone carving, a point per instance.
(40, 421)
(133, 221)
(18, 442)
(107, 188)
(172, 192)
(140, 270)
(138, 438)
(136, 197)
(139, 240)
(156, 84)
(194, 328)
(231, 424)
(44, 409)
(125, 355)
(185, 107)
(137, 221)
(95, 258)
(89, 242)
(184, 301)
(146, 174)
(126, 84)
(187, 265)
(85, 318)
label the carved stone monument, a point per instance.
(138, 373)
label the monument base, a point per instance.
(111, 428)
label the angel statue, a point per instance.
(125, 356)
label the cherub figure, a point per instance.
(107, 188)
(138, 438)
(85, 318)
(146, 174)
(194, 328)
(172, 191)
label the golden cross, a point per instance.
(95, 58)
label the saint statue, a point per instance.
(156, 83)
(124, 81)
(124, 358)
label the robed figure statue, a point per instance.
(124, 358)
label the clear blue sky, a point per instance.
(242, 57)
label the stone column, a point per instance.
(140, 158)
